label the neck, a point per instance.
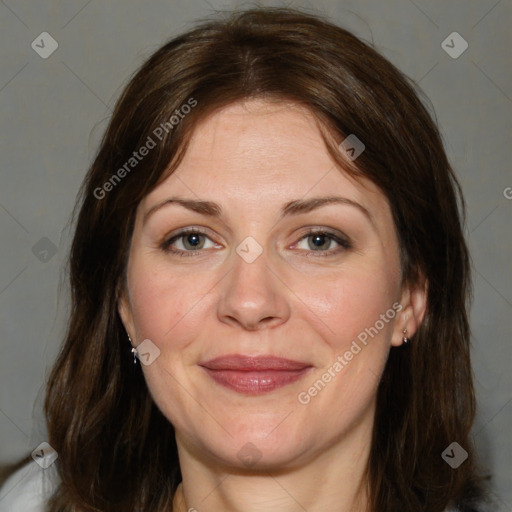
(334, 480)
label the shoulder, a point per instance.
(28, 489)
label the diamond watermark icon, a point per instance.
(454, 45)
(44, 45)
(45, 455)
(352, 146)
(249, 454)
(147, 352)
(44, 250)
(249, 249)
(454, 455)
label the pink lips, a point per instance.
(254, 375)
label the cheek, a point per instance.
(358, 315)
(165, 303)
(359, 308)
(168, 309)
(350, 302)
(356, 309)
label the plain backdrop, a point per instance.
(55, 109)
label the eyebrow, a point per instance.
(296, 207)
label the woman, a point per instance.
(270, 288)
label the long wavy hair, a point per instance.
(117, 452)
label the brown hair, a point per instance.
(117, 451)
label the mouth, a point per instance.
(254, 375)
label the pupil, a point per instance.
(320, 239)
(193, 240)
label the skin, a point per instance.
(252, 158)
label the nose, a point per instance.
(253, 295)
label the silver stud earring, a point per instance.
(405, 340)
(134, 350)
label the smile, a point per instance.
(254, 375)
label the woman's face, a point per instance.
(252, 280)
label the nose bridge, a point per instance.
(252, 293)
(251, 273)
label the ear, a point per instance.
(414, 307)
(125, 312)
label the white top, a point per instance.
(28, 489)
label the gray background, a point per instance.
(54, 111)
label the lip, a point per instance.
(253, 363)
(254, 375)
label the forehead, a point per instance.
(263, 135)
(262, 152)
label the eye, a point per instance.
(323, 242)
(190, 240)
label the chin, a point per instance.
(266, 447)
(269, 456)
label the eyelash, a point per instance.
(343, 242)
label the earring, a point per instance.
(405, 340)
(134, 350)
